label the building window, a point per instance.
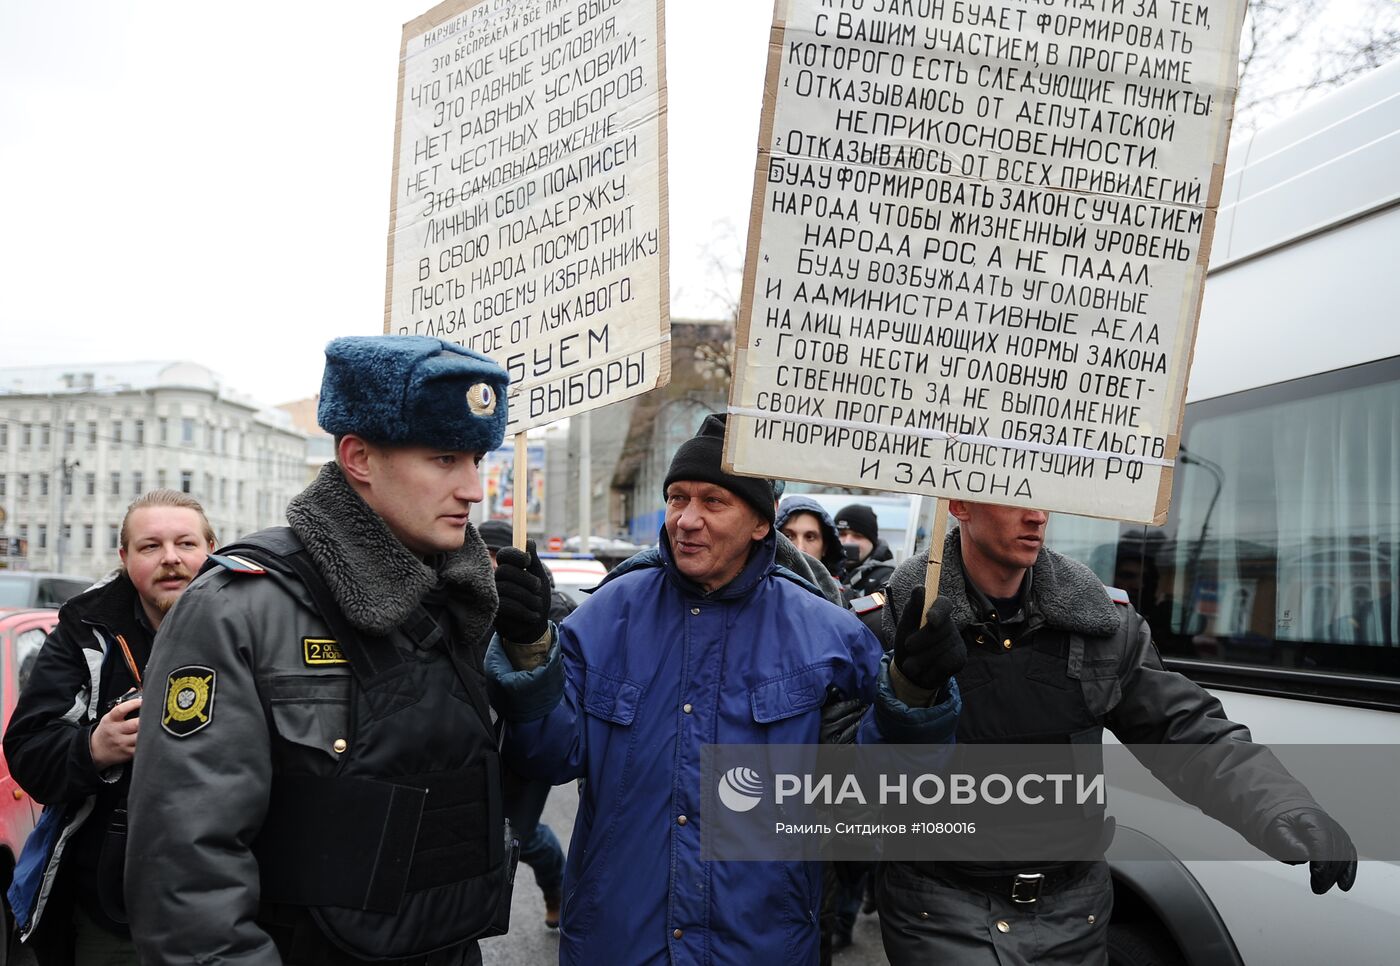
(26, 436)
(186, 480)
(136, 480)
(90, 484)
(160, 479)
(24, 532)
(116, 484)
(112, 532)
(116, 432)
(223, 491)
(67, 535)
(187, 431)
(87, 536)
(3, 487)
(138, 432)
(70, 433)
(23, 485)
(164, 427)
(5, 435)
(92, 432)
(43, 484)
(68, 483)
(44, 436)
(43, 536)
(240, 494)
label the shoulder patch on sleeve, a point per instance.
(1117, 596)
(239, 565)
(189, 700)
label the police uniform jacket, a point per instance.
(645, 673)
(1089, 665)
(249, 688)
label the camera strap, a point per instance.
(130, 661)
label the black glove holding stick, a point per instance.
(927, 656)
(522, 617)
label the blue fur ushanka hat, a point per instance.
(413, 390)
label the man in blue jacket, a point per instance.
(708, 642)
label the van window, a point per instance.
(54, 591)
(1282, 543)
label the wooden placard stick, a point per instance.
(935, 558)
(519, 479)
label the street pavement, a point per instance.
(529, 943)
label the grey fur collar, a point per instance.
(1067, 594)
(375, 579)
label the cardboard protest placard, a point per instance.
(978, 243)
(528, 213)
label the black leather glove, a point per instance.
(928, 656)
(523, 586)
(1310, 835)
(840, 718)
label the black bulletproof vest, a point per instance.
(401, 851)
(1024, 694)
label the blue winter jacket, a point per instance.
(648, 670)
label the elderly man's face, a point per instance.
(711, 530)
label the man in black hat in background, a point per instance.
(872, 562)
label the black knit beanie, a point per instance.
(861, 519)
(700, 458)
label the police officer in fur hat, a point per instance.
(319, 779)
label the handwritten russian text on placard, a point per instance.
(528, 216)
(979, 240)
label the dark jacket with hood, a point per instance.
(279, 703)
(79, 671)
(833, 558)
(1104, 651)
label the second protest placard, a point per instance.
(978, 244)
(528, 215)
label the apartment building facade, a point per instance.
(79, 443)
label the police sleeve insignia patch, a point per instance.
(189, 700)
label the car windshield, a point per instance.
(15, 590)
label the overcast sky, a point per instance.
(211, 181)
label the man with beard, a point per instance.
(321, 783)
(74, 732)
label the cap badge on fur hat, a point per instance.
(481, 399)
(413, 390)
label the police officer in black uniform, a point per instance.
(319, 779)
(1043, 655)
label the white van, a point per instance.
(1276, 581)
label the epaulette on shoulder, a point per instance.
(238, 565)
(1117, 595)
(869, 603)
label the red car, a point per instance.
(22, 633)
